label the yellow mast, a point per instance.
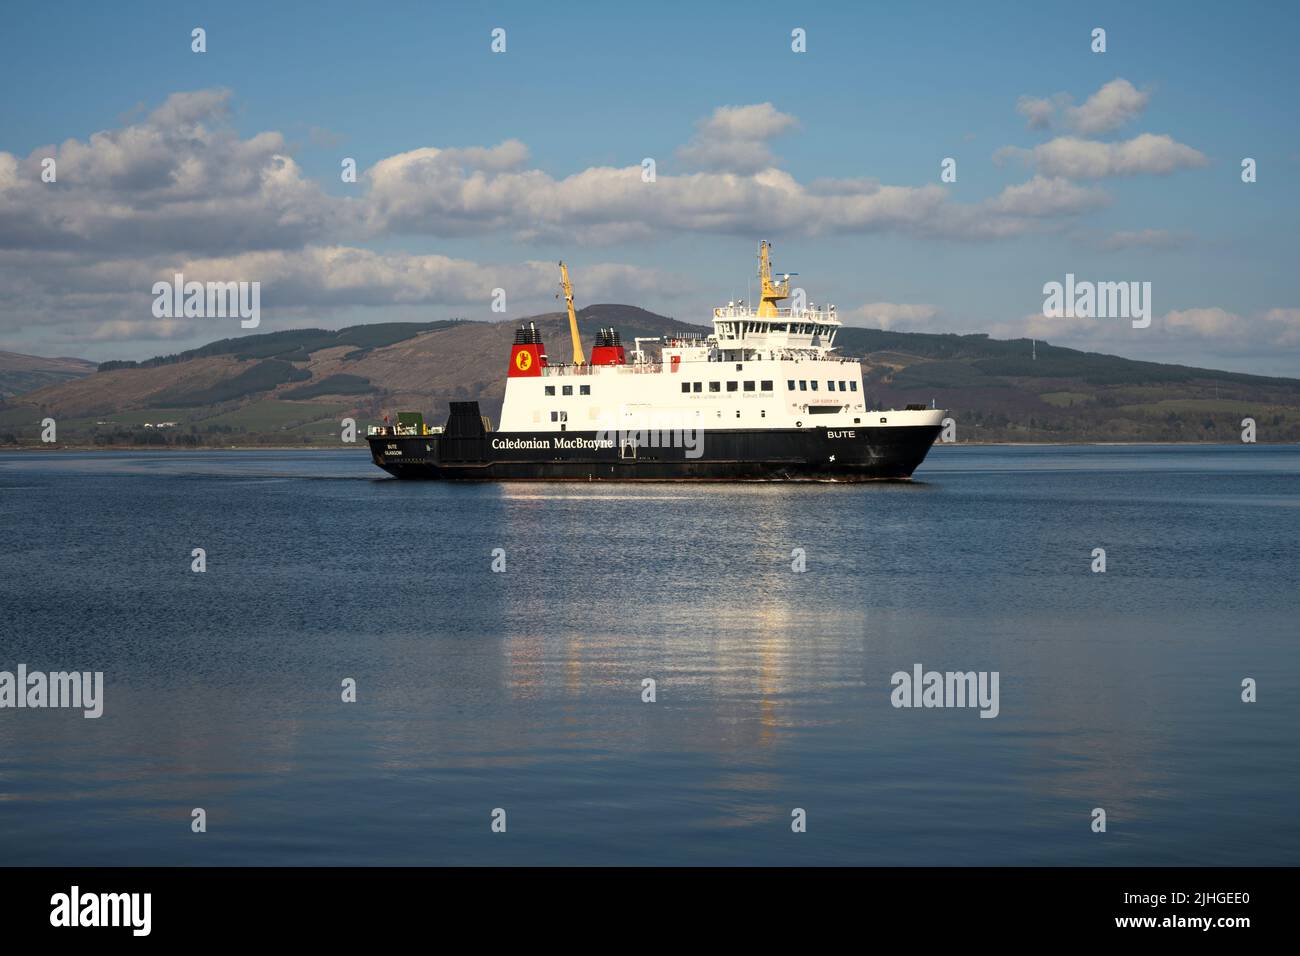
(773, 292)
(573, 319)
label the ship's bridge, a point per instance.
(738, 327)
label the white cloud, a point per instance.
(111, 300)
(607, 204)
(1211, 323)
(1207, 337)
(179, 189)
(334, 276)
(1116, 103)
(1074, 158)
(1041, 197)
(1282, 326)
(180, 179)
(890, 315)
(1144, 239)
(735, 138)
(116, 330)
(1036, 110)
(1274, 328)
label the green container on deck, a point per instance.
(411, 420)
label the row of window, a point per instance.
(803, 385)
(798, 328)
(563, 416)
(717, 386)
(830, 386)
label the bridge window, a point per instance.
(843, 387)
(698, 387)
(715, 386)
(853, 386)
(813, 383)
(766, 386)
(731, 386)
(803, 385)
(566, 390)
(584, 389)
(790, 385)
(749, 386)
(550, 389)
(686, 387)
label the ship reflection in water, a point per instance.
(525, 689)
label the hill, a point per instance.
(24, 373)
(295, 386)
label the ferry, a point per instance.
(763, 397)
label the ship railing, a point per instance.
(844, 359)
(789, 355)
(654, 367)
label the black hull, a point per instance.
(805, 454)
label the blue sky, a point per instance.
(879, 98)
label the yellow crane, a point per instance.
(772, 292)
(573, 319)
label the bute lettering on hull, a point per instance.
(763, 397)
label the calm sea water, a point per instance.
(522, 690)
